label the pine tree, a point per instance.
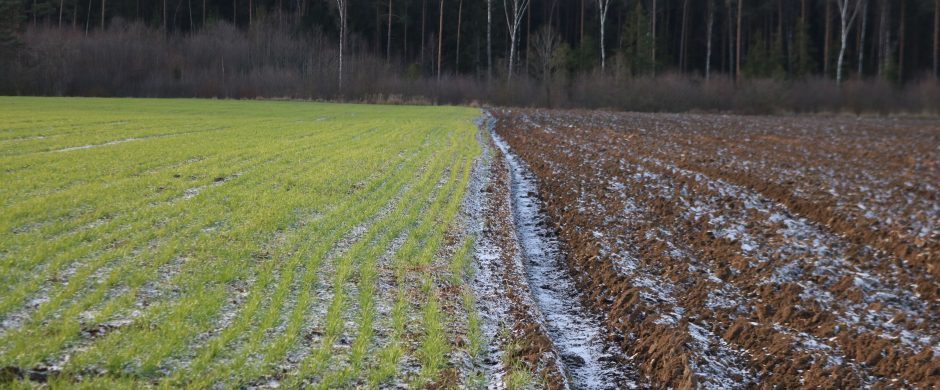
(776, 58)
(10, 18)
(758, 62)
(637, 42)
(804, 56)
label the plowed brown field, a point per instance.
(729, 251)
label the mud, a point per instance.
(589, 359)
(748, 251)
(511, 321)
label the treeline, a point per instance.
(749, 55)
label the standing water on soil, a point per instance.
(590, 360)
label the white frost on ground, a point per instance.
(578, 336)
(801, 238)
(120, 141)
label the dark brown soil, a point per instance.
(750, 251)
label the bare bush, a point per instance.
(221, 61)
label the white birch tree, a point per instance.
(848, 10)
(515, 11)
(709, 26)
(440, 40)
(602, 7)
(341, 6)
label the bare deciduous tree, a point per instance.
(827, 38)
(388, 44)
(341, 6)
(738, 50)
(936, 38)
(440, 40)
(653, 28)
(848, 10)
(708, 34)
(683, 36)
(545, 47)
(459, 20)
(489, 38)
(602, 7)
(902, 29)
(515, 10)
(861, 38)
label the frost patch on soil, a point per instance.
(588, 358)
(120, 141)
(192, 192)
(719, 368)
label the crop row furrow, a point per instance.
(106, 233)
(370, 247)
(340, 229)
(248, 305)
(168, 230)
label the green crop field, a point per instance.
(197, 243)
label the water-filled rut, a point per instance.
(590, 360)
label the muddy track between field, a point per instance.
(523, 277)
(579, 336)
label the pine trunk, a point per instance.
(653, 28)
(738, 59)
(936, 38)
(902, 28)
(489, 38)
(424, 12)
(440, 40)
(682, 37)
(828, 37)
(388, 35)
(459, 20)
(861, 40)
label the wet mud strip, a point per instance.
(522, 277)
(579, 336)
(713, 280)
(516, 339)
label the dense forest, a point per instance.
(799, 55)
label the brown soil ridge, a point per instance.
(663, 350)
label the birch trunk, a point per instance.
(708, 39)
(341, 6)
(603, 7)
(515, 10)
(848, 10)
